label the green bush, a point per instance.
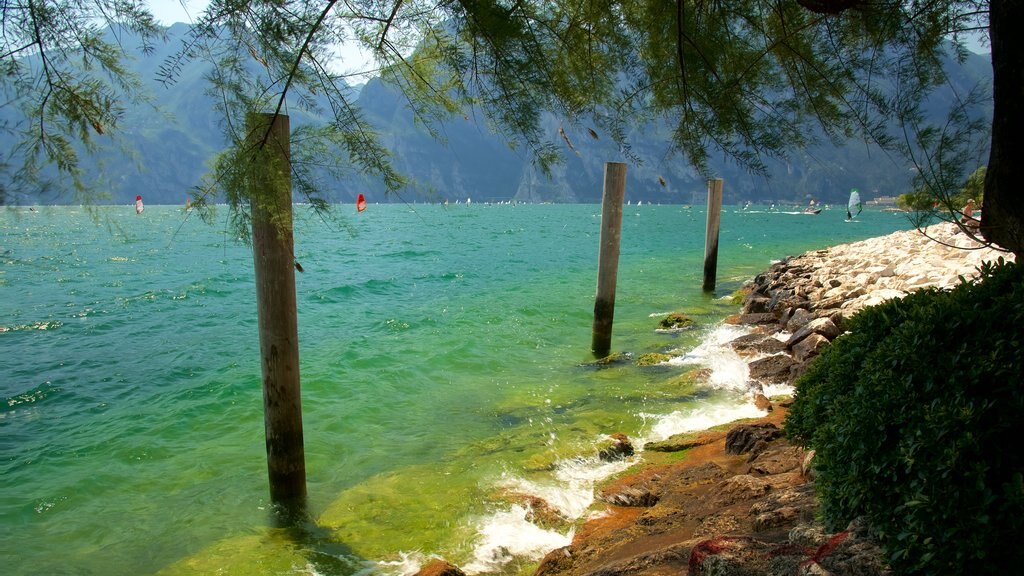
(915, 417)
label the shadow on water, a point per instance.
(323, 554)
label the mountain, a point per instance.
(163, 149)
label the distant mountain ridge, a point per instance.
(162, 154)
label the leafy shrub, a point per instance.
(915, 417)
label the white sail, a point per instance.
(854, 204)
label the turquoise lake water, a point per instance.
(443, 366)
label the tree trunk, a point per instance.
(1002, 216)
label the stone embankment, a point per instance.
(742, 501)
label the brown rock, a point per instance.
(618, 446)
(685, 441)
(756, 304)
(761, 343)
(828, 303)
(438, 567)
(756, 319)
(740, 488)
(742, 439)
(629, 496)
(822, 326)
(774, 368)
(777, 460)
(809, 347)
(799, 319)
(762, 402)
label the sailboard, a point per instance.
(139, 207)
(360, 203)
(854, 203)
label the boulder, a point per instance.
(756, 304)
(762, 402)
(617, 447)
(777, 460)
(774, 368)
(759, 343)
(742, 439)
(809, 347)
(438, 567)
(758, 319)
(822, 326)
(675, 321)
(799, 319)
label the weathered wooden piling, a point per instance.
(270, 197)
(711, 233)
(608, 260)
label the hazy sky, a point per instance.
(171, 11)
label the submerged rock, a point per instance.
(676, 321)
(652, 359)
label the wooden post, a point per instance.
(608, 264)
(711, 233)
(270, 197)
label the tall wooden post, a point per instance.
(711, 233)
(608, 264)
(270, 198)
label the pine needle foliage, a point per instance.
(745, 80)
(62, 68)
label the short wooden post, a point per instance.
(608, 263)
(711, 233)
(270, 197)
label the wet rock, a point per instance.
(558, 561)
(630, 496)
(675, 321)
(438, 567)
(762, 402)
(741, 439)
(542, 513)
(617, 447)
(758, 343)
(652, 359)
(759, 319)
(614, 359)
(685, 441)
(774, 368)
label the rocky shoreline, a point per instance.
(740, 500)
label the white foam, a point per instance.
(728, 370)
(408, 563)
(508, 534)
(770, 390)
(695, 419)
